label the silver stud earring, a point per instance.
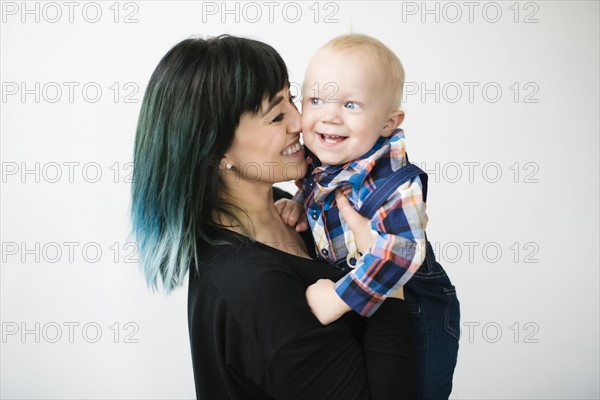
(228, 166)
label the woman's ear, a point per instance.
(394, 120)
(225, 164)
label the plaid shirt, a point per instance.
(399, 224)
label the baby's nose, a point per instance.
(331, 114)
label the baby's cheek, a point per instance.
(307, 131)
(306, 125)
(307, 138)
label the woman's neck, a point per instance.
(256, 201)
(261, 220)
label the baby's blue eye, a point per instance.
(351, 105)
(315, 101)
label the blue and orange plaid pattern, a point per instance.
(398, 225)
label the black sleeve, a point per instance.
(328, 363)
(324, 363)
(389, 351)
(273, 339)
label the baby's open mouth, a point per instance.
(331, 139)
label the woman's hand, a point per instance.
(364, 236)
(292, 214)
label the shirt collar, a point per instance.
(327, 178)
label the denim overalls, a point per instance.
(432, 300)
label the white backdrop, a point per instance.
(502, 104)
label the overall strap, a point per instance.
(391, 183)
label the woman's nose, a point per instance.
(295, 121)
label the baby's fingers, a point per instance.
(285, 210)
(360, 226)
(354, 219)
(302, 225)
(292, 214)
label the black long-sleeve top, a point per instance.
(253, 335)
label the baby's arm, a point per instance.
(324, 302)
(398, 251)
(321, 296)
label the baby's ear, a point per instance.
(394, 120)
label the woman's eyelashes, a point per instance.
(292, 102)
(278, 118)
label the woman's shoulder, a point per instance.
(237, 254)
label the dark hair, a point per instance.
(189, 114)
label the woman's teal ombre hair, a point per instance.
(188, 117)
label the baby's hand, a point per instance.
(292, 214)
(360, 226)
(324, 302)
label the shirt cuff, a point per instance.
(359, 298)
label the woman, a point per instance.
(217, 128)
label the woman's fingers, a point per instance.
(364, 236)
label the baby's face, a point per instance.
(345, 105)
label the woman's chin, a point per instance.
(293, 171)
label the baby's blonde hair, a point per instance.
(390, 63)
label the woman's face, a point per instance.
(266, 147)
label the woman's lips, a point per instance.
(291, 149)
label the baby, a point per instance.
(351, 112)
